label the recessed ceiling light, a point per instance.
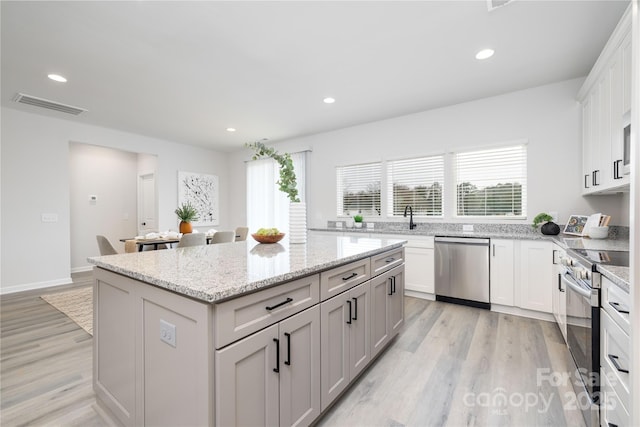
(231, 129)
(57, 78)
(329, 100)
(484, 54)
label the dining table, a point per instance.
(153, 242)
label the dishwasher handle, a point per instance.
(462, 241)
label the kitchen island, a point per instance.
(239, 333)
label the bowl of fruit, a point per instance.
(268, 235)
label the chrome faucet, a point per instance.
(412, 225)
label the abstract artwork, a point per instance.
(201, 191)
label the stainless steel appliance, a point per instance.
(462, 270)
(581, 281)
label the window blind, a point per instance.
(492, 182)
(417, 182)
(358, 189)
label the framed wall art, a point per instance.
(201, 190)
(575, 225)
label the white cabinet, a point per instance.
(559, 296)
(387, 307)
(273, 376)
(345, 340)
(605, 98)
(502, 276)
(535, 275)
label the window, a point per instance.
(417, 182)
(358, 189)
(492, 182)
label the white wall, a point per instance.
(36, 180)
(547, 116)
(112, 176)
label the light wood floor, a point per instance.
(447, 367)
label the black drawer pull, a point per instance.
(388, 260)
(586, 184)
(355, 309)
(277, 368)
(288, 361)
(614, 360)
(349, 321)
(612, 425)
(287, 301)
(354, 274)
(390, 286)
(617, 308)
(394, 284)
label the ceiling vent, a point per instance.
(495, 4)
(45, 103)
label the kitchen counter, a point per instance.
(618, 275)
(212, 273)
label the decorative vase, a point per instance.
(297, 222)
(185, 227)
(550, 229)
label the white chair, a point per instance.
(241, 233)
(223, 237)
(105, 246)
(192, 239)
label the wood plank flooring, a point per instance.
(450, 366)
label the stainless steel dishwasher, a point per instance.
(462, 270)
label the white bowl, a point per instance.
(599, 232)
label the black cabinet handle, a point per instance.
(394, 284)
(355, 309)
(586, 181)
(288, 361)
(287, 301)
(388, 260)
(616, 307)
(390, 286)
(349, 321)
(277, 368)
(560, 283)
(595, 177)
(612, 425)
(351, 276)
(614, 360)
(616, 169)
(553, 257)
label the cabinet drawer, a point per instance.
(237, 318)
(386, 261)
(615, 302)
(615, 357)
(345, 277)
(612, 411)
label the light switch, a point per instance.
(49, 217)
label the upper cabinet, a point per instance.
(605, 97)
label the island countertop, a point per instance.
(213, 273)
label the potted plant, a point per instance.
(186, 213)
(549, 227)
(358, 220)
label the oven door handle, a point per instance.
(577, 289)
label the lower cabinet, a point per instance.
(535, 275)
(273, 376)
(387, 307)
(502, 272)
(344, 340)
(559, 296)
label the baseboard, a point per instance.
(421, 295)
(81, 269)
(35, 286)
(522, 312)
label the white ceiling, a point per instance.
(185, 71)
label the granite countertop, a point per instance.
(618, 275)
(212, 273)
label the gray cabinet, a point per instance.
(387, 307)
(273, 376)
(345, 335)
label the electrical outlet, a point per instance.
(338, 224)
(467, 227)
(554, 214)
(49, 217)
(168, 333)
(371, 225)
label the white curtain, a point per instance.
(267, 206)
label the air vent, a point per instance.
(45, 103)
(495, 4)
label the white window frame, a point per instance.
(363, 174)
(414, 172)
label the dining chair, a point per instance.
(105, 246)
(192, 239)
(130, 246)
(241, 233)
(223, 237)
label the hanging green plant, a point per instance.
(287, 182)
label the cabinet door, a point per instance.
(604, 174)
(396, 301)
(300, 368)
(535, 275)
(502, 272)
(586, 146)
(334, 347)
(616, 76)
(359, 330)
(381, 288)
(247, 391)
(419, 269)
(626, 73)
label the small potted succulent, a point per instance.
(186, 213)
(358, 221)
(549, 227)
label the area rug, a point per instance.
(76, 305)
